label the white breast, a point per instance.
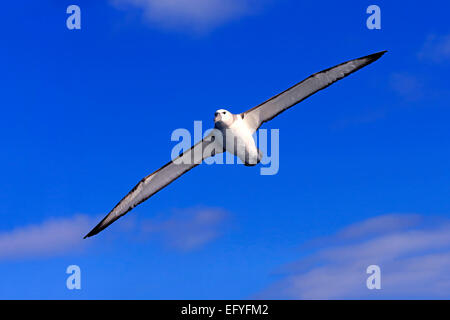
(240, 142)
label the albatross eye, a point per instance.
(224, 112)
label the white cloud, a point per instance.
(436, 49)
(380, 224)
(49, 238)
(191, 15)
(183, 230)
(406, 85)
(366, 117)
(187, 229)
(413, 253)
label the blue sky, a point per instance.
(87, 113)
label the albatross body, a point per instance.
(236, 137)
(232, 133)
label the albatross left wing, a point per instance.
(160, 179)
(269, 109)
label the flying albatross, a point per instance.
(236, 127)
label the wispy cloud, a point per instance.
(406, 85)
(365, 117)
(187, 229)
(412, 252)
(424, 82)
(182, 230)
(436, 49)
(191, 15)
(49, 238)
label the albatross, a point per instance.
(235, 128)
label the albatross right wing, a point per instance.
(269, 109)
(161, 178)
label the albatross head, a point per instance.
(223, 117)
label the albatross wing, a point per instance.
(159, 179)
(269, 109)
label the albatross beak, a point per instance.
(217, 117)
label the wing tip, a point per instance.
(102, 225)
(93, 232)
(376, 56)
(99, 227)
